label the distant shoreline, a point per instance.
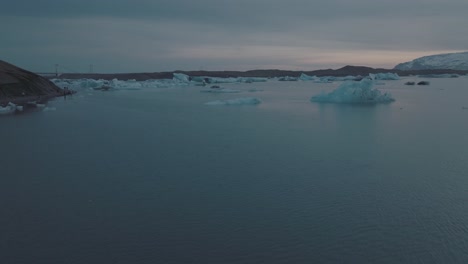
(345, 71)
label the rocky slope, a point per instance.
(20, 86)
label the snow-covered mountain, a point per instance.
(453, 61)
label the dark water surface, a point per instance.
(156, 176)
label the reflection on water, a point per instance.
(156, 176)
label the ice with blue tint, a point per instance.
(237, 101)
(126, 85)
(353, 92)
(326, 79)
(305, 77)
(10, 108)
(180, 77)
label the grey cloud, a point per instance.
(156, 35)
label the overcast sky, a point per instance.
(166, 35)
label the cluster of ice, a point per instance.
(361, 92)
(179, 79)
(237, 101)
(327, 79)
(115, 84)
(10, 108)
(203, 80)
(330, 79)
(384, 76)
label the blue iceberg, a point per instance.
(352, 92)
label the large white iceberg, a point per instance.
(361, 92)
(237, 101)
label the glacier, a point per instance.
(352, 92)
(452, 61)
(237, 101)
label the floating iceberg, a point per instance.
(361, 92)
(180, 77)
(305, 77)
(237, 101)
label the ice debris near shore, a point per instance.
(237, 101)
(114, 84)
(178, 80)
(10, 108)
(350, 92)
